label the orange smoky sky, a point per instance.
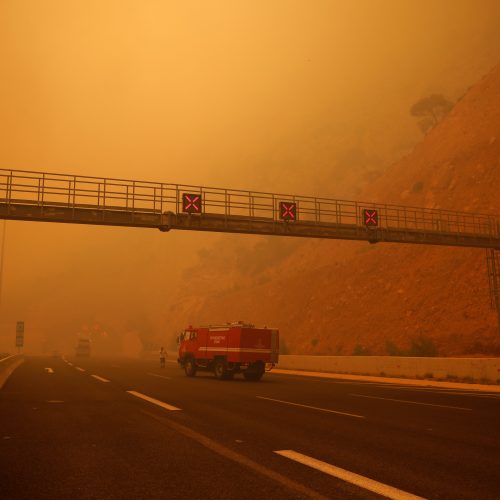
(261, 94)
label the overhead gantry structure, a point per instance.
(50, 197)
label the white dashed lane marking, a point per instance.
(79, 369)
(312, 407)
(349, 477)
(159, 376)
(156, 402)
(100, 378)
(49, 370)
(411, 402)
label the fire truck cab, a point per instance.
(228, 349)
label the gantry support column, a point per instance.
(493, 261)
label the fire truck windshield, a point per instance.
(186, 335)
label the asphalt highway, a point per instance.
(121, 428)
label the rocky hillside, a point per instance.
(339, 297)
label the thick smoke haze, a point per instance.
(275, 95)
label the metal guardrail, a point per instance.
(6, 357)
(50, 190)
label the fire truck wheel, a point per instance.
(220, 370)
(190, 367)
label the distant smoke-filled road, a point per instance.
(116, 428)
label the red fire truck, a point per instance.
(229, 349)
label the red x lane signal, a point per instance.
(288, 211)
(370, 217)
(191, 203)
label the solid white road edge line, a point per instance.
(159, 376)
(154, 401)
(350, 477)
(411, 402)
(456, 392)
(79, 369)
(312, 407)
(100, 378)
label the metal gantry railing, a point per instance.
(42, 196)
(50, 192)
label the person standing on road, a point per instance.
(163, 355)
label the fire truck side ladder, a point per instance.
(493, 261)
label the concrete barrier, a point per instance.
(471, 369)
(7, 366)
(478, 369)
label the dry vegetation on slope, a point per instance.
(334, 297)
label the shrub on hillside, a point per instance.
(418, 187)
(359, 350)
(422, 346)
(284, 347)
(392, 349)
